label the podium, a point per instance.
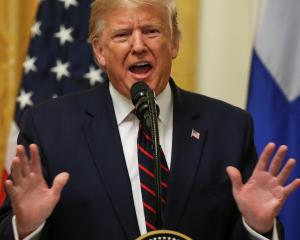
(163, 235)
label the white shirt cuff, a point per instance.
(32, 236)
(256, 236)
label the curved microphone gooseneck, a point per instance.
(147, 111)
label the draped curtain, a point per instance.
(16, 18)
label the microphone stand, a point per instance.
(156, 154)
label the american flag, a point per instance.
(59, 60)
(195, 134)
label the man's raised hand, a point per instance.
(261, 198)
(32, 199)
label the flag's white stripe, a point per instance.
(277, 44)
(11, 145)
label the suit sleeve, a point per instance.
(249, 162)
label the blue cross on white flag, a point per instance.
(274, 94)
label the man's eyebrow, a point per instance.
(152, 24)
(121, 29)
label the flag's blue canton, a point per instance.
(59, 60)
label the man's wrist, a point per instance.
(32, 236)
(272, 235)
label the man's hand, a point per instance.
(261, 198)
(32, 200)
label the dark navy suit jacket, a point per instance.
(79, 134)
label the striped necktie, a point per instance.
(147, 177)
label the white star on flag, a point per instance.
(61, 69)
(29, 64)
(94, 75)
(43, 75)
(64, 34)
(24, 99)
(69, 3)
(36, 29)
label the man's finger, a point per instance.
(35, 159)
(293, 186)
(286, 171)
(235, 177)
(9, 188)
(59, 182)
(21, 154)
(264, 157)
(277, 160)
(16, 171)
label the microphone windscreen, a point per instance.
(138, 90)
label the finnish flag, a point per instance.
(274, 91)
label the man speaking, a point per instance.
(83, 169)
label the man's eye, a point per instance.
(152, 32)
(120, 36)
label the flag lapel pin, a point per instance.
(195, 134)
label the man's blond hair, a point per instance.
(99, 7)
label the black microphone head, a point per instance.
(141, 98)
(138, 90)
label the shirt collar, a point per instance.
(123, 106)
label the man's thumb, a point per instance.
(59, 182)
(235, 177)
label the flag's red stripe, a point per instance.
(149, 208)
(148, 189)
(145, 152)
(2, 192)
(146, 171)
(149, 225)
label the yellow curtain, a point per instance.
(16, 18)
(185, 65)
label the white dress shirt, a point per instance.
(128, 125)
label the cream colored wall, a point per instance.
(226, 35)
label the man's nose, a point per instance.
(138, 43)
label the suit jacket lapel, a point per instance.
(186, 156)
(104, 142)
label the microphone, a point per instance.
(147, 112)
(142, 96)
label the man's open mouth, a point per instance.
(140, 68)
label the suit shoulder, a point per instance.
(213, 107)
(73, 102)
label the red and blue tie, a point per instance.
(147, 177)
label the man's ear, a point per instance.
(98, 52)
(175, 47)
